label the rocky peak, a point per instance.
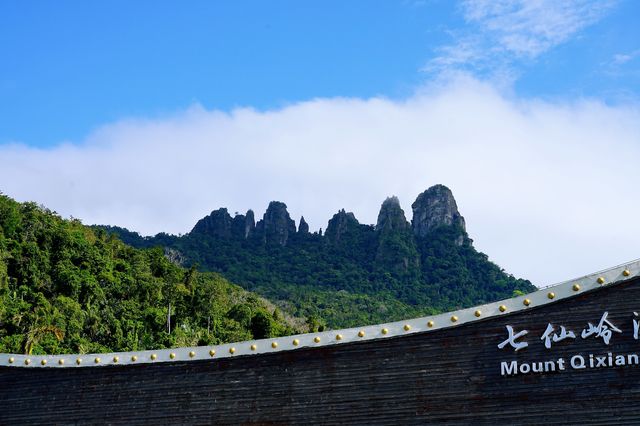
(339, 224)
(218, 224)
(243, 225)
(276, 224)
(391, 216)
(433, 208)
(303, 228)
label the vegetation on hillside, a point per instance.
(67, 288)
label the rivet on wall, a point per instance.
(316, 339)
(43, 362)
(576, 287)
(79, 361)
(61, 361)
(11, 360)
(551, 295)
(407, 327)
(134, 358)
(600, 280)
(526, 302)
(212, 352)
(503, 308)
(274, 345)
(153, 357)
(254, 347)
(116, 359)
(27, 361)
(360, 333)
(430, 324)
(172, 355)
(478, 313)
(192, 354)
(384, 331)
(626, 272)
(96, 360)
(454, 318)
(296, 342)
(232, 350)
(338, 336)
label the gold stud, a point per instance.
(116, 359)
(11, 360)
(338, 336)
(407, 327)
(626, 272)
(254, 347)
(526, 302)
(27, 361)
(385, 331)
(172, 355)
(316, 339)
(274, 345)
(153, 357)
(360, 333)
(43, 362)
(295, 342)
(232, 350)
(78, 361)
(478, 313)
(551, 295)
(212, 352)
(503, 308)
(192, 354)
(576, 287)
(454, 318)
(430, 324)
(134, 358)
(97, 360)
(600, 280)
(61, 361)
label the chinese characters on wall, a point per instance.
(604, 330)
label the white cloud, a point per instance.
(624, 58)
(548, 189)
(500, 32)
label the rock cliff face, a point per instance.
(218, 224)
(340, 224)
(243, 225)
(433, 208)
(276, 225)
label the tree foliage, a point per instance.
(67, 288)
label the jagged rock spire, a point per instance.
(339, 224)
(433, 208)
(276, 224)
(391, 216)
(303, 228)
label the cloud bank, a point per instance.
(548, 190)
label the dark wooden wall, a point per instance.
(450, 375)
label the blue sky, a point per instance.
(150, 115)
(70, 67)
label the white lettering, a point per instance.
(577, 362)
(509, 369)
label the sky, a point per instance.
(149, 115)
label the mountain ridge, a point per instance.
(353, 273)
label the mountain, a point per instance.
(67, 288)
(353, 274)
